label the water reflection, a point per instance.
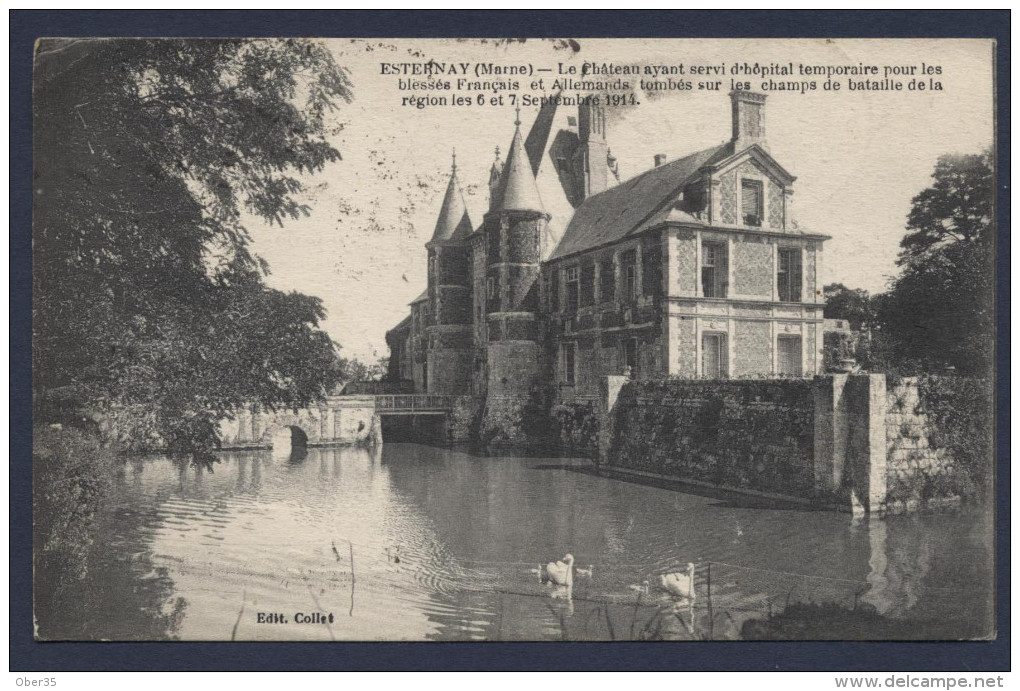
(410, 542)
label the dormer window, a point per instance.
(751, 203)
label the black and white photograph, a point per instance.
(476, 339)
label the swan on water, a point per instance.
(561, 572)
(585, 572)
(679, 584)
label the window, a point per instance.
(628, 267)
(713, 270)
(607, 281)
(494, 245)
(573, 289)
(569, 362)
(630, 356)
(490, 288)
(788, 275)
(790, 364)
(751, 208)
(587, 285)
(713, 355)
(554, 291)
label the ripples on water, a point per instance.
(445, 545)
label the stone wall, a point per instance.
(463, 424)
(915, 470)
(753, 434)
(341, 420)
(752, 348)
(752, 267)
(843, 440)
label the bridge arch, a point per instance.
(290, 436)
(289, 430)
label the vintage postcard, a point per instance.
(513, 340)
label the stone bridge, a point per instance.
(338, 420)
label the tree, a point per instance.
(957, 208)
(851, 304)
(146, 292)
(940, 311)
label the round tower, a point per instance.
(449, 330)
(514, 228)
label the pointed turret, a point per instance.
(495, 174)
(454, 222)
(517, 190)
(513, 230)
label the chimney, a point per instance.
(659, 159)
(748, 119)
(591, 158)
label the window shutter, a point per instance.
(795, 276)
(722, 271)
(750, 202)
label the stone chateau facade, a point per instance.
(691, 269)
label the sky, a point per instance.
(859, 156)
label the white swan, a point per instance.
(679, 584)
(586, 572)
(561, 572)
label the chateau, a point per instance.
(691, 269)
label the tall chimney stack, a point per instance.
(591, 159)
(748, 119)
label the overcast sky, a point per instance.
(859, 157)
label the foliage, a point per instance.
(353, 369)
(578, 425)
(961, 421)
(148, 154)
(71, 478)
(956, 208)
(939, 312)
(72, 481)
(851, 304)
(71, 474)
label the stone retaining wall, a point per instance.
(843, 440)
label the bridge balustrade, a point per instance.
(413, 402)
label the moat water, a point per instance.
(413, 542)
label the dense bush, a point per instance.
(577, 424)
(961, 421)
(72, 473)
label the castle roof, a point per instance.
(404, 325)
(454, 222)
(517, 190)
(626, 209)
(424, 296)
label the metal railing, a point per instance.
(413, 402)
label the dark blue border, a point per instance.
(26, 654)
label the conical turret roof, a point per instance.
(454, 222)
(517, 188)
